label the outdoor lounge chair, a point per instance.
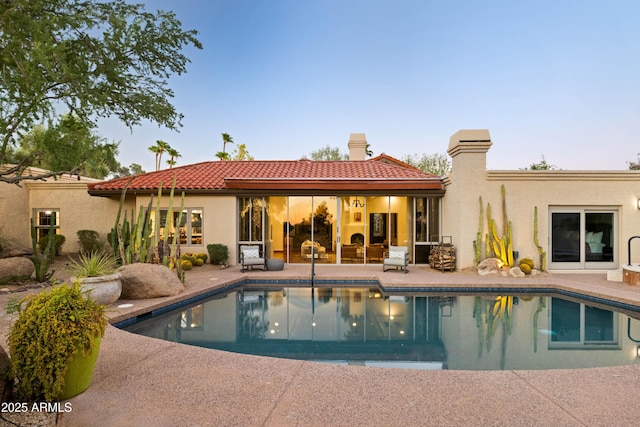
(250, 256)
(398, 257)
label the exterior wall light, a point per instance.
(638, 351)
(638, 201)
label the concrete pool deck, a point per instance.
(142, 381)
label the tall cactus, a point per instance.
(541, 253)
(477, 244)
(501, 246)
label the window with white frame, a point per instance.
(43, 219)
(187, 228)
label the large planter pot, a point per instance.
(103, 289)
(80, 371)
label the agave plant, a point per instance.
(92, 264)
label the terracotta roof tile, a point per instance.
(262, 174)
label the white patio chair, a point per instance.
(396, 256)
(251, 256)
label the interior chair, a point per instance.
(251, 256)
(375, 252)
(398, 257)
(349, 252)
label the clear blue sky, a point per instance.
(286, 77)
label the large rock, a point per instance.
(140, 281)
(16, 251)
(516, 272)
(16, 268)
(489, 266)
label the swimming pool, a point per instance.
(363, 325)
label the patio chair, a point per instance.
(251, 256)
(398, 257)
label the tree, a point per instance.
(174, 155)
(634, 166)
(132, 169)
(436, 164)
(541, 166)
(158, 149)
(241, 153)
(66, 145)
(226, 139)
(328, 153)
(96, 58)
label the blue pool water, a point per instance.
(364, 325)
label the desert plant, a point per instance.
(58, 241)
(185, 264)
(54, 327)
(43, 263)
(541, 253)
(218, 253)
(203, 256)
(92, 264)
(90, 241)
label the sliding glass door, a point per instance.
(583, 238)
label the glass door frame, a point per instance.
(582, 263)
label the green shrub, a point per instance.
(186, 265)
(218, 253)
(90, 241)
(92, 264)
(44, 241)
(54, 326)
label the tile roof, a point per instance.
(214, 176)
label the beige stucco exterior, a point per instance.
(608, 190)
(615, 191)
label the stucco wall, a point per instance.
(218, 219)
(469, 180)
(14, 223)
(78, 210)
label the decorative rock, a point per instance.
(516, 272)
(15, 268)
(489, 266)
(140, 281)
(534, 272)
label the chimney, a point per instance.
(357, 146)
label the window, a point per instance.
(250, 213)
(583, 238)
(189, 230)
(43, 219)
(577, 325)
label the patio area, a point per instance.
(142, 381)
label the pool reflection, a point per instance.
(355, 323)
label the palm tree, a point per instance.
(226, 139)
(158, 149)
(162, 147)
(155, 150)
(174, 155)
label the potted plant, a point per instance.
(96, 273)
(54, 344)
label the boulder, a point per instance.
(516, 272)
(5, 383)
(16, 251)
(16, 268)
(489, 266)
(140, 281)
